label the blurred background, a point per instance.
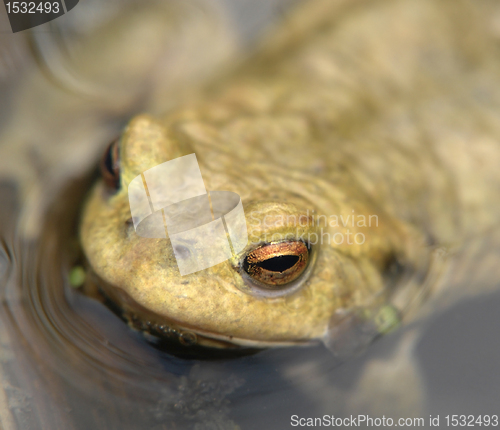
(66, 90)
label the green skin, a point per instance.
(371, 117)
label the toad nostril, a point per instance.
(279, 264)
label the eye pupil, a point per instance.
(279, 264)
(275, 265)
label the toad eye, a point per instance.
(110, 166)
(277, 264)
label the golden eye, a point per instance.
(110, 166)
(277, 264)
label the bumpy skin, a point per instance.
(388, 110)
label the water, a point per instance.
(67, 362)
